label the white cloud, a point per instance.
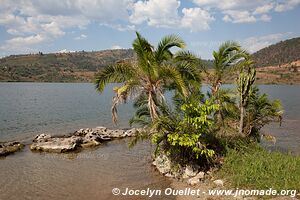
(22, 44)
(80, 37)
(236, 16)
(265, 18)
(196, 19)
(287, 5)
(65, 51)
(47, 20)
(165, 13)
(231, 4)
(245, 11)
(116, 47)
(50, 19)
(119, 27)
(160, 13)
(253, 44)
(53, 28)
(264, 9)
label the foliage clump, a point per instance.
(193, 128)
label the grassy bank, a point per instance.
(256, 168)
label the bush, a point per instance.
(187, 139)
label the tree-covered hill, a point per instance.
(278, 63)
(59, 67)
(278, 54)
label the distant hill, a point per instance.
(278, 63)
(278, 54)
(59, 67)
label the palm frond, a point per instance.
(163, 49)
(172, 74)
(113, 74)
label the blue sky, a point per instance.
(30, 26)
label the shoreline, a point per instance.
(204, 82)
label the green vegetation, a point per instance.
(255, 168)
(199, 129)
(187, 139)
(155, 70)
(59, 67)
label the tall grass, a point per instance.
(256, 168)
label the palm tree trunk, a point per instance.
(152, 106)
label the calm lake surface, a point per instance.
(28, 109)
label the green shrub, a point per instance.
(188, 138)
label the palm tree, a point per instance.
(261, 111)
(226, 59)
(148, 76)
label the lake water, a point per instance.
(28, 109)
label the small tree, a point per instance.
(187, 138)
(261, 111)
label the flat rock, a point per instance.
(85, 138)
(9, 148)
(57, 145)
(116, 133)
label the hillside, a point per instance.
(278, 63)
(277, 54)
(59, 67)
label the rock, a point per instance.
(163, 164)
(190, 171)
(82, 138)
(57, 145)
(100, 129)
(131, 132)
(117, 133)
(218, 183)
(195, 180)
(41, 137)
(154, 163)
(200, 175)
(90, 144)
(93, 139)
(169, 175)
(10, 147)
(80, 132)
